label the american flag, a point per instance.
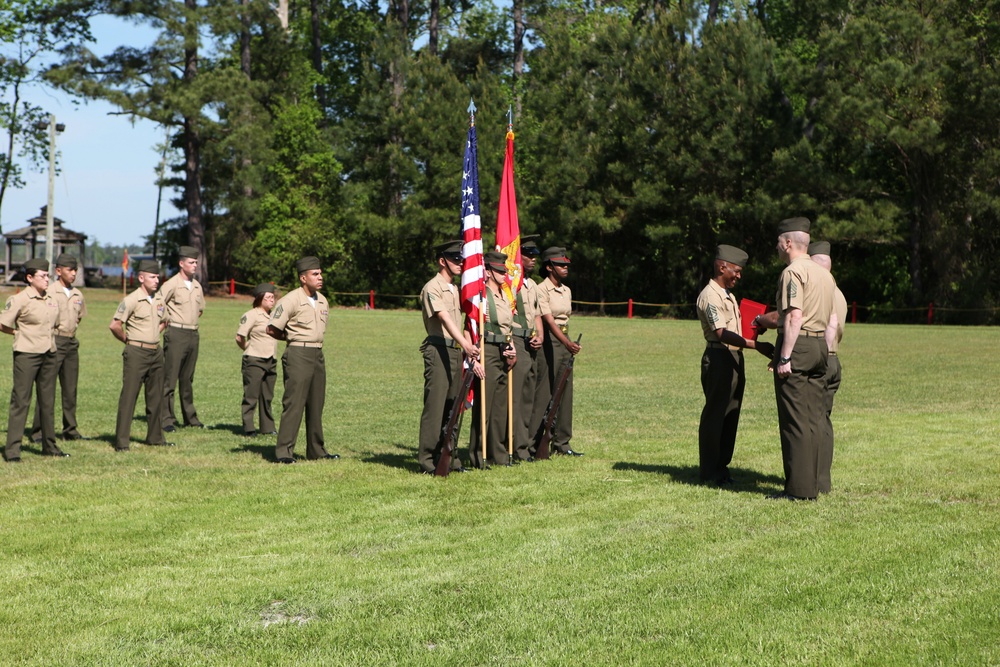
(473, 284)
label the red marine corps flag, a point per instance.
(508, 230)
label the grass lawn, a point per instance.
(208, 554)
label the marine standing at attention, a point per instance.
(259, 365)
(819, 252)
(72, 309)
(300, 318)
(30, 316)
(529, 332)
(499, 357)
(804, 311)
(442, 351)
(185, 302)
(138, 322)
(723, 374)
(555, 303)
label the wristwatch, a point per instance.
(784, 360)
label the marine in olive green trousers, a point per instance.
(67, 370)
(495, 403)
(826, 446)
(141, 368)
(551, 364)
(442, 382)
(36, 371)
(180, 355)
(525, 388)
(304, 372)
(801, 399)
(259, 376)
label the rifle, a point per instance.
(457, 408)
(545, 434)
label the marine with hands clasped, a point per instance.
(138, 322)
(442, 351)
(529, 333)
(31, 316)
(819, 252)
(300, 318)
(804, 313)
(723, 373)
(499, 357)
(555, 304)
(72, 309)
(259, 367)
(185, 302)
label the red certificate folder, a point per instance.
(750, 309)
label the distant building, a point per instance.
(27, 242)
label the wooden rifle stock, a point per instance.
(545, 436)
(457, 408)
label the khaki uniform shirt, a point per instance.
(555, 301)
(72, 309)
(840, 307)
(440, 296)
(32, 316)
(184, 304)
(302, 321)
(529, 298)
(141, 316)
(806, 285)
(505, 316)
(717, 309)
(253, 329)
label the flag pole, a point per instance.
(482, 385)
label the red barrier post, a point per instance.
(371, 299)
(630, 308)
(854, 312)
(232, 287)
(930, 313)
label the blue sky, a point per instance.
(107, 187)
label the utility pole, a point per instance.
(49, 208)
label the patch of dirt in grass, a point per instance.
(275, 613)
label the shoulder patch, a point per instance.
(121, 307)
(712, 312)
(243, 320)
(793, 290)
(277, 311)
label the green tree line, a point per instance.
(647, 131)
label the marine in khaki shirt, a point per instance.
(300, 318)
(440, 296)
(723, 374)
(185, 302)
(30, 316)
(499, 357)
(138, 322)
(72, 309)
(258, 365)
(529, 334)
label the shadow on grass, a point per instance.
(235, 429)
(745, 480)
(405, 459)
(265, 452)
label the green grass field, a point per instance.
(207, 554)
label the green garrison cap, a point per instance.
(732, 254)
(187, 252)
(529, 245)
(450, 250)
(67, 260)
(36, 264)
(262, 289)
(793, 225)
(819, 248)
(555, 255)
(149, 266)
(495, 260)
(307, 264)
